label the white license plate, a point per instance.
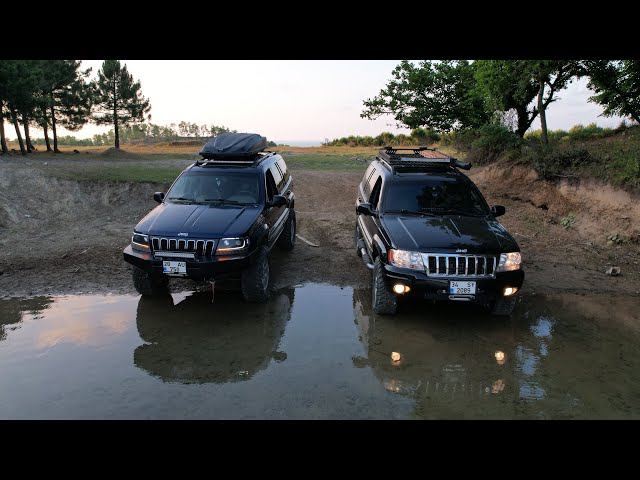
(462, 288)
(174, 267)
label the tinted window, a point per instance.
(435, 196)
(271, 185)
(277, 176)
(283, 170)
(375, 192)
(215, 186)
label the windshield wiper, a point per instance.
(183, 199)
(224, 201)
(404, 211)
(461, 212)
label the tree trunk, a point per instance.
(14, 119)
(3, 139)
(27, 136)
(45, 128)
(115, 126)
(543, 113)
(523, 121)
(53, 128)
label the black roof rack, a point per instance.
(412, 159)
(234, 161)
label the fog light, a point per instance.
(395, 358)
(398, 288)
(500, 357)
(510, 291)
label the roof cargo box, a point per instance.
(229, 145)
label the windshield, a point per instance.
(435, 196)
(212, 187)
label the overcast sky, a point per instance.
(290, 101)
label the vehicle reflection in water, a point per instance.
(463, 363)
(193, 341)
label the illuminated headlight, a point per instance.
(509, 261)
(232, 246)
(405, 259)
(140, 242)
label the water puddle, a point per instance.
(316, 352)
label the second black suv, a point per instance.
(220, 217)
(426, 231)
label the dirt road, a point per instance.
(61, 236)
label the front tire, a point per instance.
(502, 306)
(149, 285)
(384, 302)
(254, 281)
(287, 238)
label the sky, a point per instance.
(299, 102)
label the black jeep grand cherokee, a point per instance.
(220, 217)
(426, 231)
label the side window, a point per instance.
(271, 185)
(375, 192)
(283, 169)
(277, 176)
(366, 181)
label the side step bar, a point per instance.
(366, 259)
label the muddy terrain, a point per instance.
(62, 236)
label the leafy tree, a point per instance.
(617, 86)
(441, 96)
(514, 84)
(118, 98)
(508, 84)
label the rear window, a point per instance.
(436, 195)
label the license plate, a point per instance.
(174, 267)
(462, 288)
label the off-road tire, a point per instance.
(149, 285)
(287, 238)
(254, 280)
(502, 306)
(357, 240)
(383, 301)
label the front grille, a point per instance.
(198, 247)
(471, 266)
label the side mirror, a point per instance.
(158, 196)
(497, 210)
(278, 201)
(365, 209)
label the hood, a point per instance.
(449, 233)
(212, 221)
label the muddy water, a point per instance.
(316, 352)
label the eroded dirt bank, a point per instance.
(60, 236)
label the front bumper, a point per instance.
(202, 268)
(423, 286)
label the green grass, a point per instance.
(118, 173)
(325, 162)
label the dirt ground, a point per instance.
(63, 237)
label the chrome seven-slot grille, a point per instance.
(181, 246)
(448, 265)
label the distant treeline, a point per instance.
(418, 136)
(146, 133)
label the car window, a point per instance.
(283, 169)
(215, 186)
(435, 196)
(271, 185)
(277, 177)
(375, 192)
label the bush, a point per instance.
(490, 141)
(550, 163)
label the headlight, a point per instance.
(405, 259)
(232, 246)
(509, 261)
(140, 242)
